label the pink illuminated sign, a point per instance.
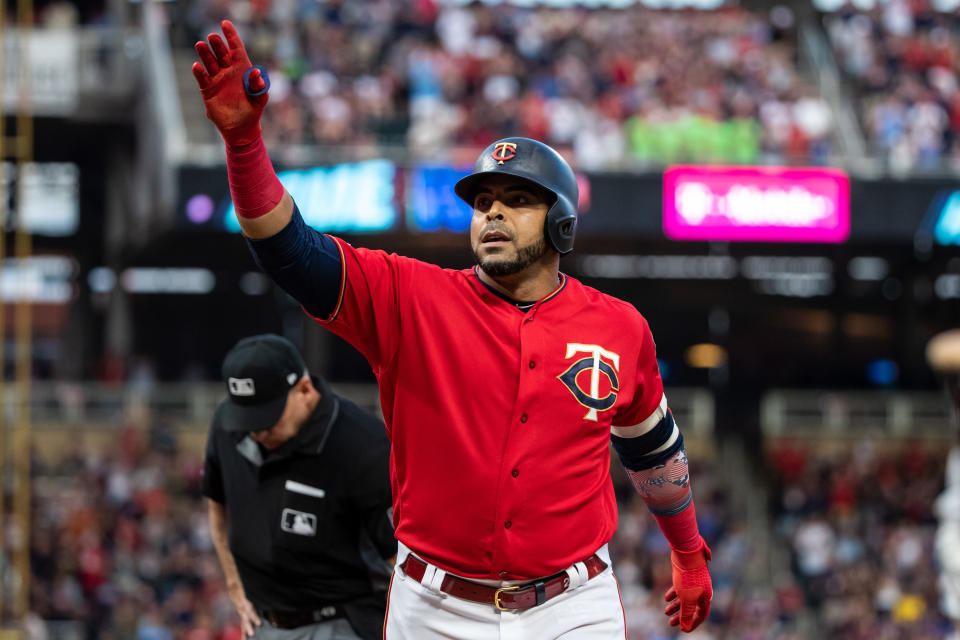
(756, 204)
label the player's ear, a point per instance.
(305, 384)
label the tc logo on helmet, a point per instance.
(598, 367)
(503, 151)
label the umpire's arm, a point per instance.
(249, 619)
(213, 488)
(217, 514)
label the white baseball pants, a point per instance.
(588, 610)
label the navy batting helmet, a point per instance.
(534, 161)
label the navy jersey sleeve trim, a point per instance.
(637, 453)
(635, 462)
(641, 452)
(658, 436)
(305, 263)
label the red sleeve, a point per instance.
(649, 387)
(367, 311)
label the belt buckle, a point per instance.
(496, 595)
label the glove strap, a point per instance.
(689, 560)
(254, 185)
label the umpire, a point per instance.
(298, 488)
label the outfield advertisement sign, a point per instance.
(683, 203)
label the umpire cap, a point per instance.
(259, 372)
(534, 161)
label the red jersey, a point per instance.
(500, 419)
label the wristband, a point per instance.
(254, 185)
(681, 530)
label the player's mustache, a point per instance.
(495, 228)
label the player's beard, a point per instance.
(496, 266)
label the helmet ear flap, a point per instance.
(561, 226)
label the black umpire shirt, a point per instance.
(299, 515)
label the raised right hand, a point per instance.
(229, 103)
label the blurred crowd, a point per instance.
(621, 87)
(742, 608)
(120, 547)
(859, 523)
(63, 14)
(903, 57)
(624, 87)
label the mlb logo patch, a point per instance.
(241, 386)
(298, 522)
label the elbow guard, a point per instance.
(652, 448)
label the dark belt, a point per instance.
(294, 619)
(518, 596)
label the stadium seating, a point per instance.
(621, 87)
(855, 516)
(902, 59)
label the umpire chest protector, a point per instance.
(534, 161)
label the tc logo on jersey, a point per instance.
(504, 151)
(599, 362)
(298, 522)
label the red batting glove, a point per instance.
(692, 590)
(220, 76)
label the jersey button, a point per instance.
(515, 473)
(504, 574)
(523, 418)
(533, 364)
(507, 524)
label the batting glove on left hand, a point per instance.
(692, 589)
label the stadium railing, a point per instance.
(787, 412)
(830, 459)
(190, 404)
(88, 73)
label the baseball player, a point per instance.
(501, 387)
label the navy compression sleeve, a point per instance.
(305, 263)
